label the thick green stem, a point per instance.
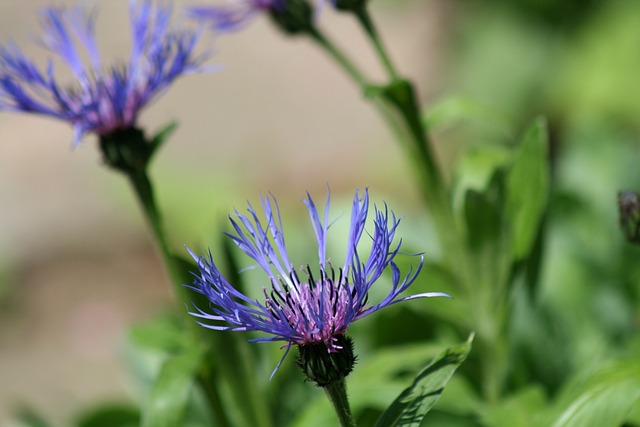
(337, 393)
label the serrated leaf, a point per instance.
(412, 405)
(527, 186)
(171, 391)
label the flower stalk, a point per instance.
(397, 102)
(337, 394)
(362, 14)
(129, 152)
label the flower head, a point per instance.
(305, 306)
(101, 100)
(233, 16)
(292, 16)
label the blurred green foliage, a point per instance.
(556, 300)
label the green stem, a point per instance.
(398, 104)
(337, 393)
(367, 23)
(144, 192)
(399, 98)
(342, 60)
(205, 379)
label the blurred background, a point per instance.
(77, 266)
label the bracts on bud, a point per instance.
(326, 367)
(351, 5)
(126, 150)
(293, 17)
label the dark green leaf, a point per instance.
(414, 402)
(171, 391)
(111, 415)
(477, 167)
(487, 238)
(528, 189)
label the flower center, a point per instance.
(317, 310)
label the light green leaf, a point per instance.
(604, 399)
(528, 189)
(477, 167)
(414, 402)
(457, 109)
(171, 391)
(521, 409)
(164, 334)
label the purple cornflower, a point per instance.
(301, 306)
(101, 100)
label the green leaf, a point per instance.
(171, 391)
(487, 238)
(164, 334)
(458, 109)
(520, 409)
(414, 402)
(30, 418)
(478, 165)
(528, 189)
(379, 378)
(604, 399)
(111, 415)
(162, 135)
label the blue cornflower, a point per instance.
(101, 100)
(301, 306)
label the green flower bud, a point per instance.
(325, 368)
(350, 5)
(126, 150)
(296, 17)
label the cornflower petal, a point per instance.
(320, 228)
(318, 310)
